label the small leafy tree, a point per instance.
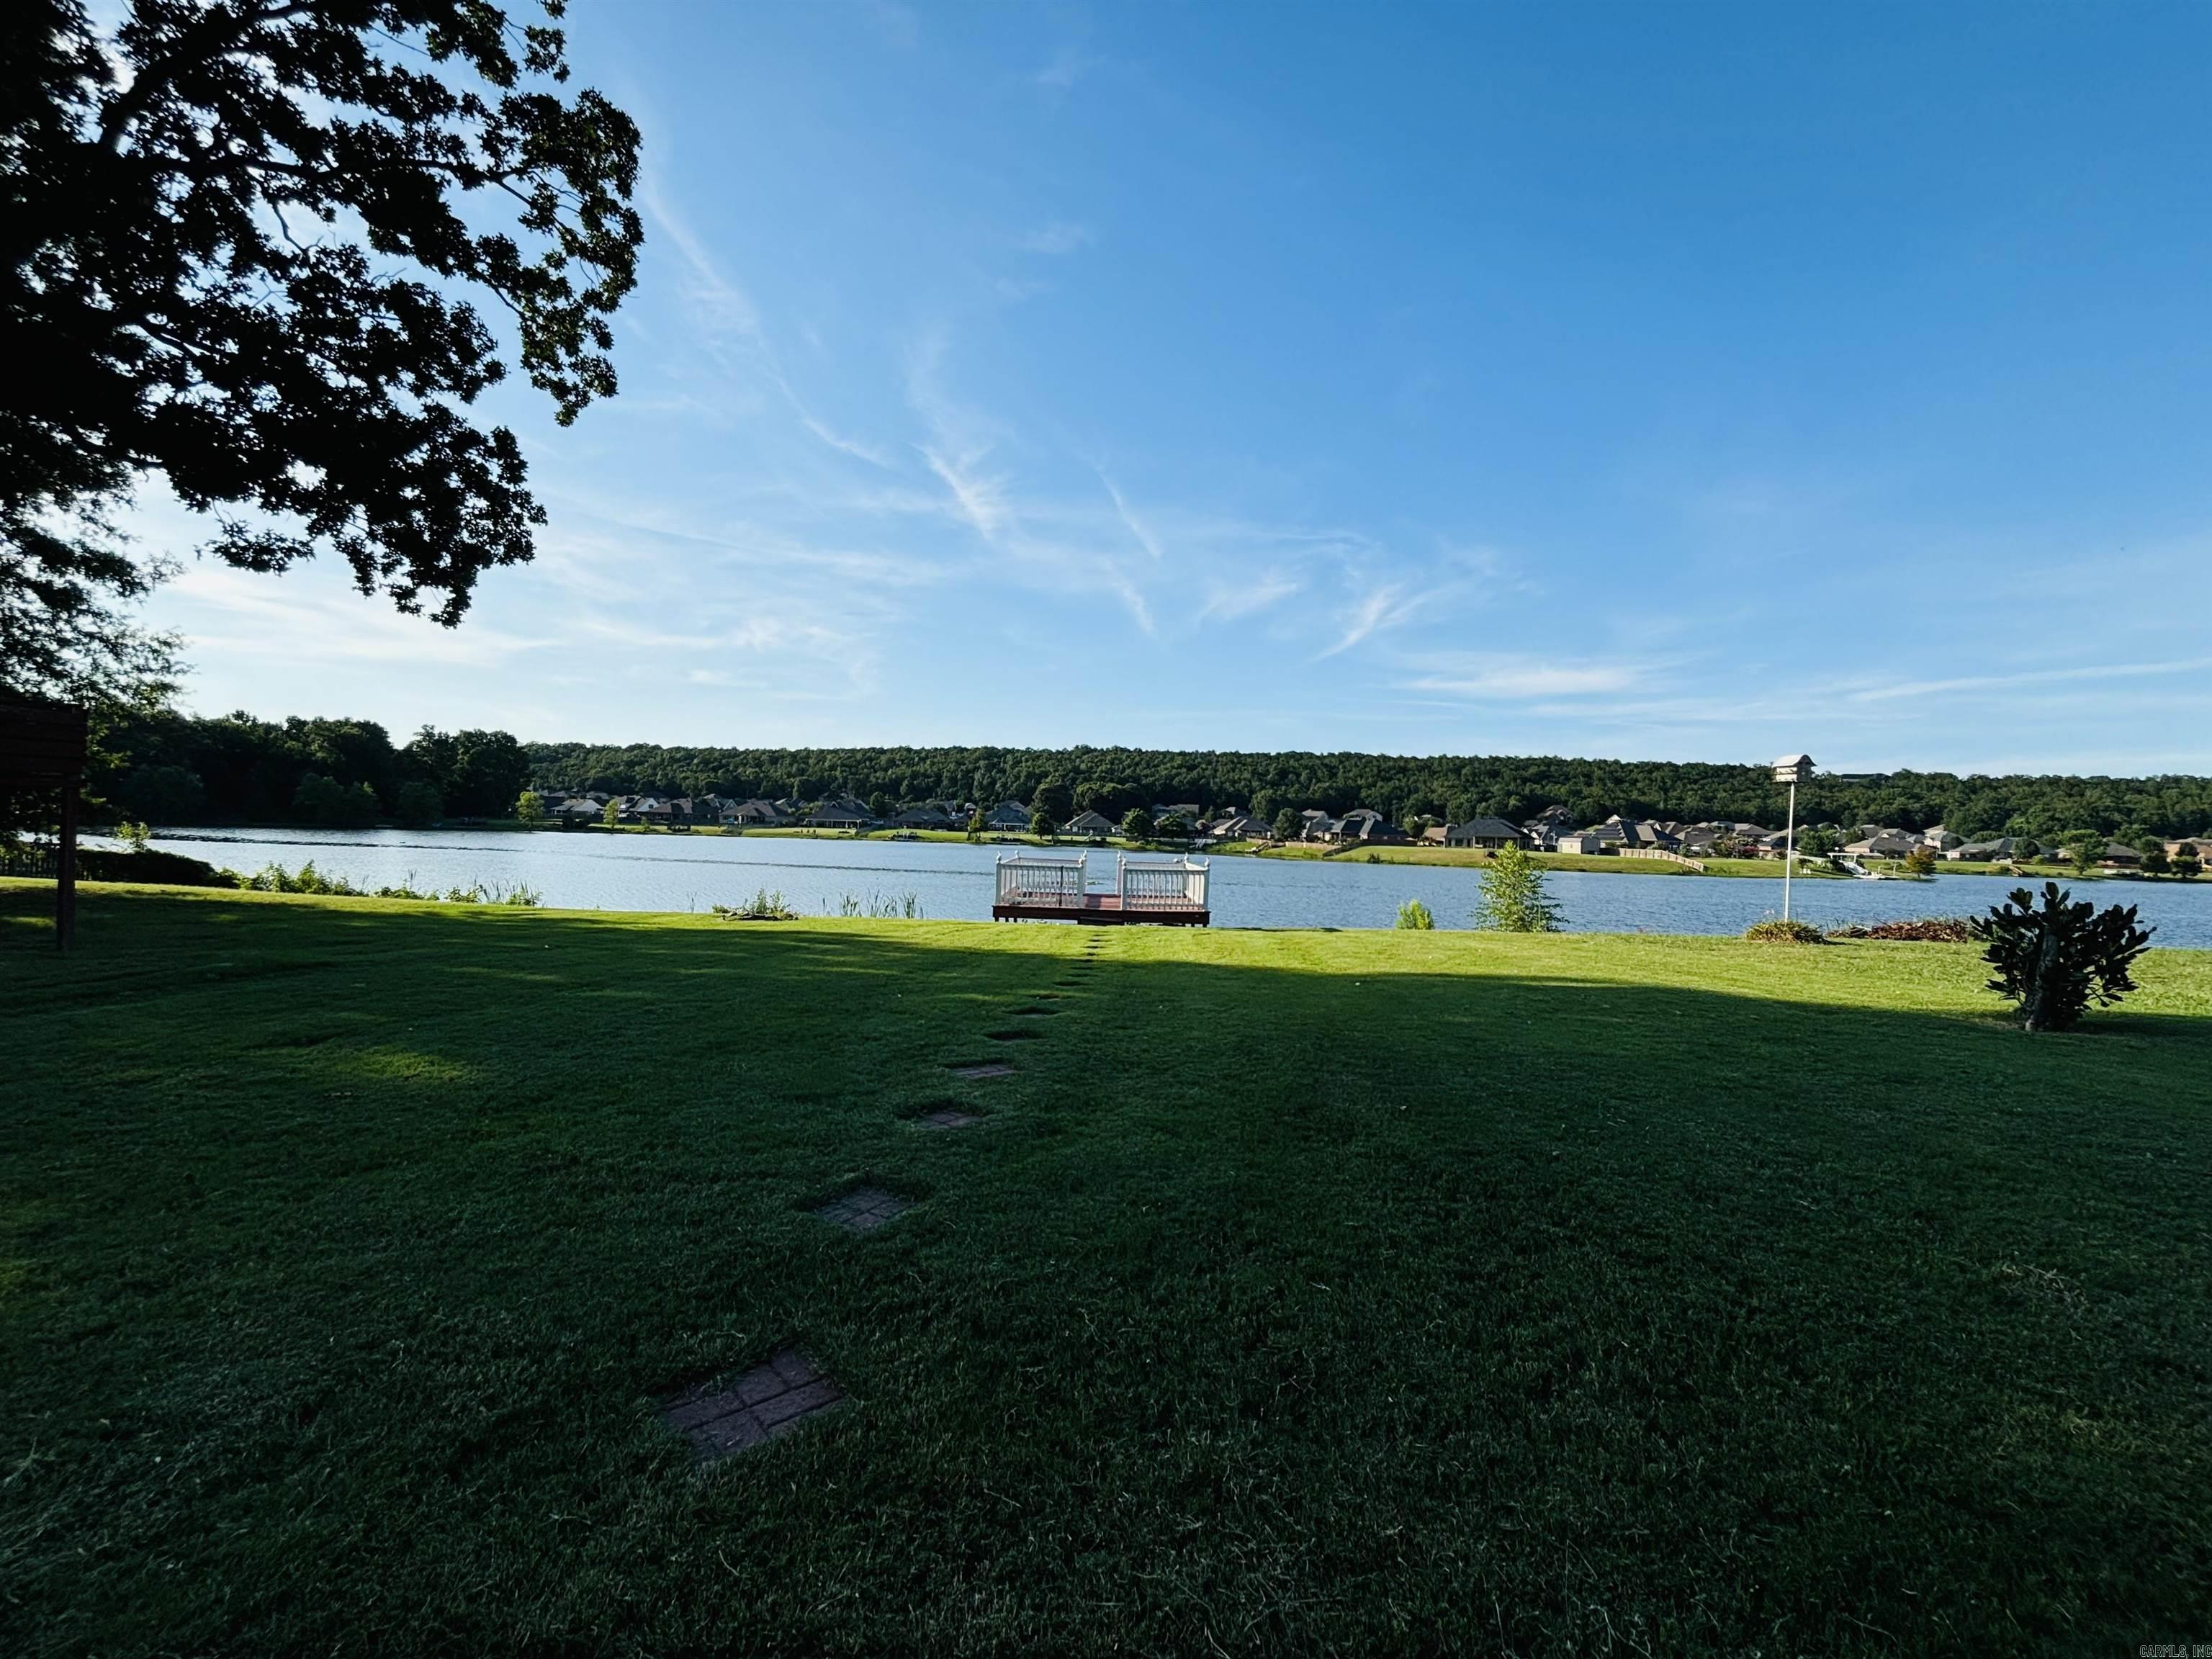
(1514, 899)
(530, 807)
(2084, 847)
(1416, 917)
(975, 824)
(1920, 861)
(1288, 824)
(2186, 863)
(611, 815)
(1041, 824)
(2055, 958)
(1137, 824)
(2154, 861)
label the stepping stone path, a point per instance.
(768, 1401)
(947, 1117)
(993, 1069)
(863, 1210)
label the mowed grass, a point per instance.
(1355, 1292)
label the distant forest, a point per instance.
(174, 768)
(1111, 780)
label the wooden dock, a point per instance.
(1098, 910)
(1160, 892)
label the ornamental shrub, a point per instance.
(2057, 958)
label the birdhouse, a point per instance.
(1793, 768)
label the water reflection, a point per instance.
(582, 870)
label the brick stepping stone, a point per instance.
(768, 1401)
(947, 1117)
(862, 1210)
(994, 1068)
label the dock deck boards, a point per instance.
(1100, 910)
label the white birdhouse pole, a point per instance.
(1788, 850)
(1788, 770)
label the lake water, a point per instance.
(953, 881)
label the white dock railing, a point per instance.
(1664, 857)
(1163, 884)
(1024, 879)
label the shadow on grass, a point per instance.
(1280, 1308)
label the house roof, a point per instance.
(1485, 826)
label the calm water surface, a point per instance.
(952, 880)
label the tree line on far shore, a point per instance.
(1452, 788)
(168, 768)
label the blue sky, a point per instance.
(1686, 382)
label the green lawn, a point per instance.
(1300, 1293)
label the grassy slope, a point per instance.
(1363, 1290)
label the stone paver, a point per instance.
(768, 1401)
(862, 1210)
(994, 1068)
(947, 1117)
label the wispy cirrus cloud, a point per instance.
(729, 324)
(1510, 676)
(1388, 606)
(1058, 237)
(307, 618)
(1136, 526)
(1231, 601)
(1065, 67)
(2024, 678)
(981, 497)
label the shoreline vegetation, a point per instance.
(1440, 857)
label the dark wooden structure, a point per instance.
(42, 747)
(1097, 911)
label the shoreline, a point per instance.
(1404, 853)
(429, 906)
